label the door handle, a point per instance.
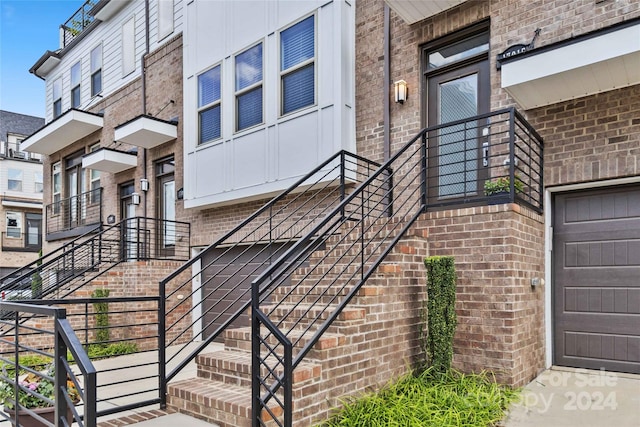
(485, 154)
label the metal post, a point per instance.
(256, 407)
(60, 375)
(342, 182)
(512, 166)
(288, 386)
(162, 343)
(423, 170)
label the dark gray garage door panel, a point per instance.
(596, 257)
(227, 281)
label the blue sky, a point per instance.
(28, 28)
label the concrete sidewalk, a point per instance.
(564, 397)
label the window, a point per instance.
(209, 105)
(75, 85)
(39, 187)
(249, 87)
(96, 70)
(14, 224)
(165, 18)
(128, 47)
(57, 98)
(297, 66)
(15, 180)
(56, 186)
(94, 179)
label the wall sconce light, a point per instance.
(135, 198)
(144, 184)
(400, 88)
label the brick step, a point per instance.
(302, 315)
(320, 293)
(234, 367)
(240, 339)
(351, 231)
(216, 402)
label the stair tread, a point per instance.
(239, 358)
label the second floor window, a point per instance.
(248, 87)
(14, 224)
(38, 182)
(56, 186)
(57, 98)
(209, 105)
(15, 180)
(96, 70)
(297, 66)
(75, 85)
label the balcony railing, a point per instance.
(21, 242)
(77, 212)
(75, 25)
(11, 150)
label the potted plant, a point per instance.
(36, 385)
(498, 190)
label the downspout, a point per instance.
(144, 94)
(386, 102)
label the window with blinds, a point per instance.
(75, 85)
(248, 87)
(209, 105)
(297, 66)
(96, 70)
(57, 97)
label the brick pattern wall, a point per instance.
(497, 250)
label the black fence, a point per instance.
(83, 210)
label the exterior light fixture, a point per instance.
(400, 88)
(144, 184)
(135, 198)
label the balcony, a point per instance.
(146, 132)
(11, 150)
(21, 242)
(77, 23)
(108, 160)
(74, 216)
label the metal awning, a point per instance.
(146, 132)
(585, 65)
(108, 160)
(62, 132)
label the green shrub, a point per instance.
(102, 317)
(429, 400)
(440, 312)
(36, 279)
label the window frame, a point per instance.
(56, 169)
(297, 67)
(38, 178)
(209, 106)
(96, 71)
(19, 221)
(57, 97)
(94, 197)
(10, 179)
(237, 94)
(75, 86)
(165, 32)
(128, 46)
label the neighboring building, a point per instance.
(21, 184)
(200, 111)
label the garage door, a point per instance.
(227, 281)
(596, 260)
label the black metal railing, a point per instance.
(77, 23)
(67, 269)
(297, 298)
(40, 350)
(83, 210)
(11, 150)
(225, 269)
(21, 242)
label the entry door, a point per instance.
(596, 263)
(166, 206)
(130, 232)
(34, 230)
(455, 168)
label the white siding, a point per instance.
(108, 33)
(28, 178)
(269, 157)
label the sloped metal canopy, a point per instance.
(108, 160)
(586, 65)
(62, 132)
(413, 11)
(146, 132)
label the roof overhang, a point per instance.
(413, 11)
(105, 9)
(45, 64)
(22, 204)
(108, 160)
(146, 132)
(586, 65)
(63, 131)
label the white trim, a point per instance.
(548, 239)
(196, 283)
